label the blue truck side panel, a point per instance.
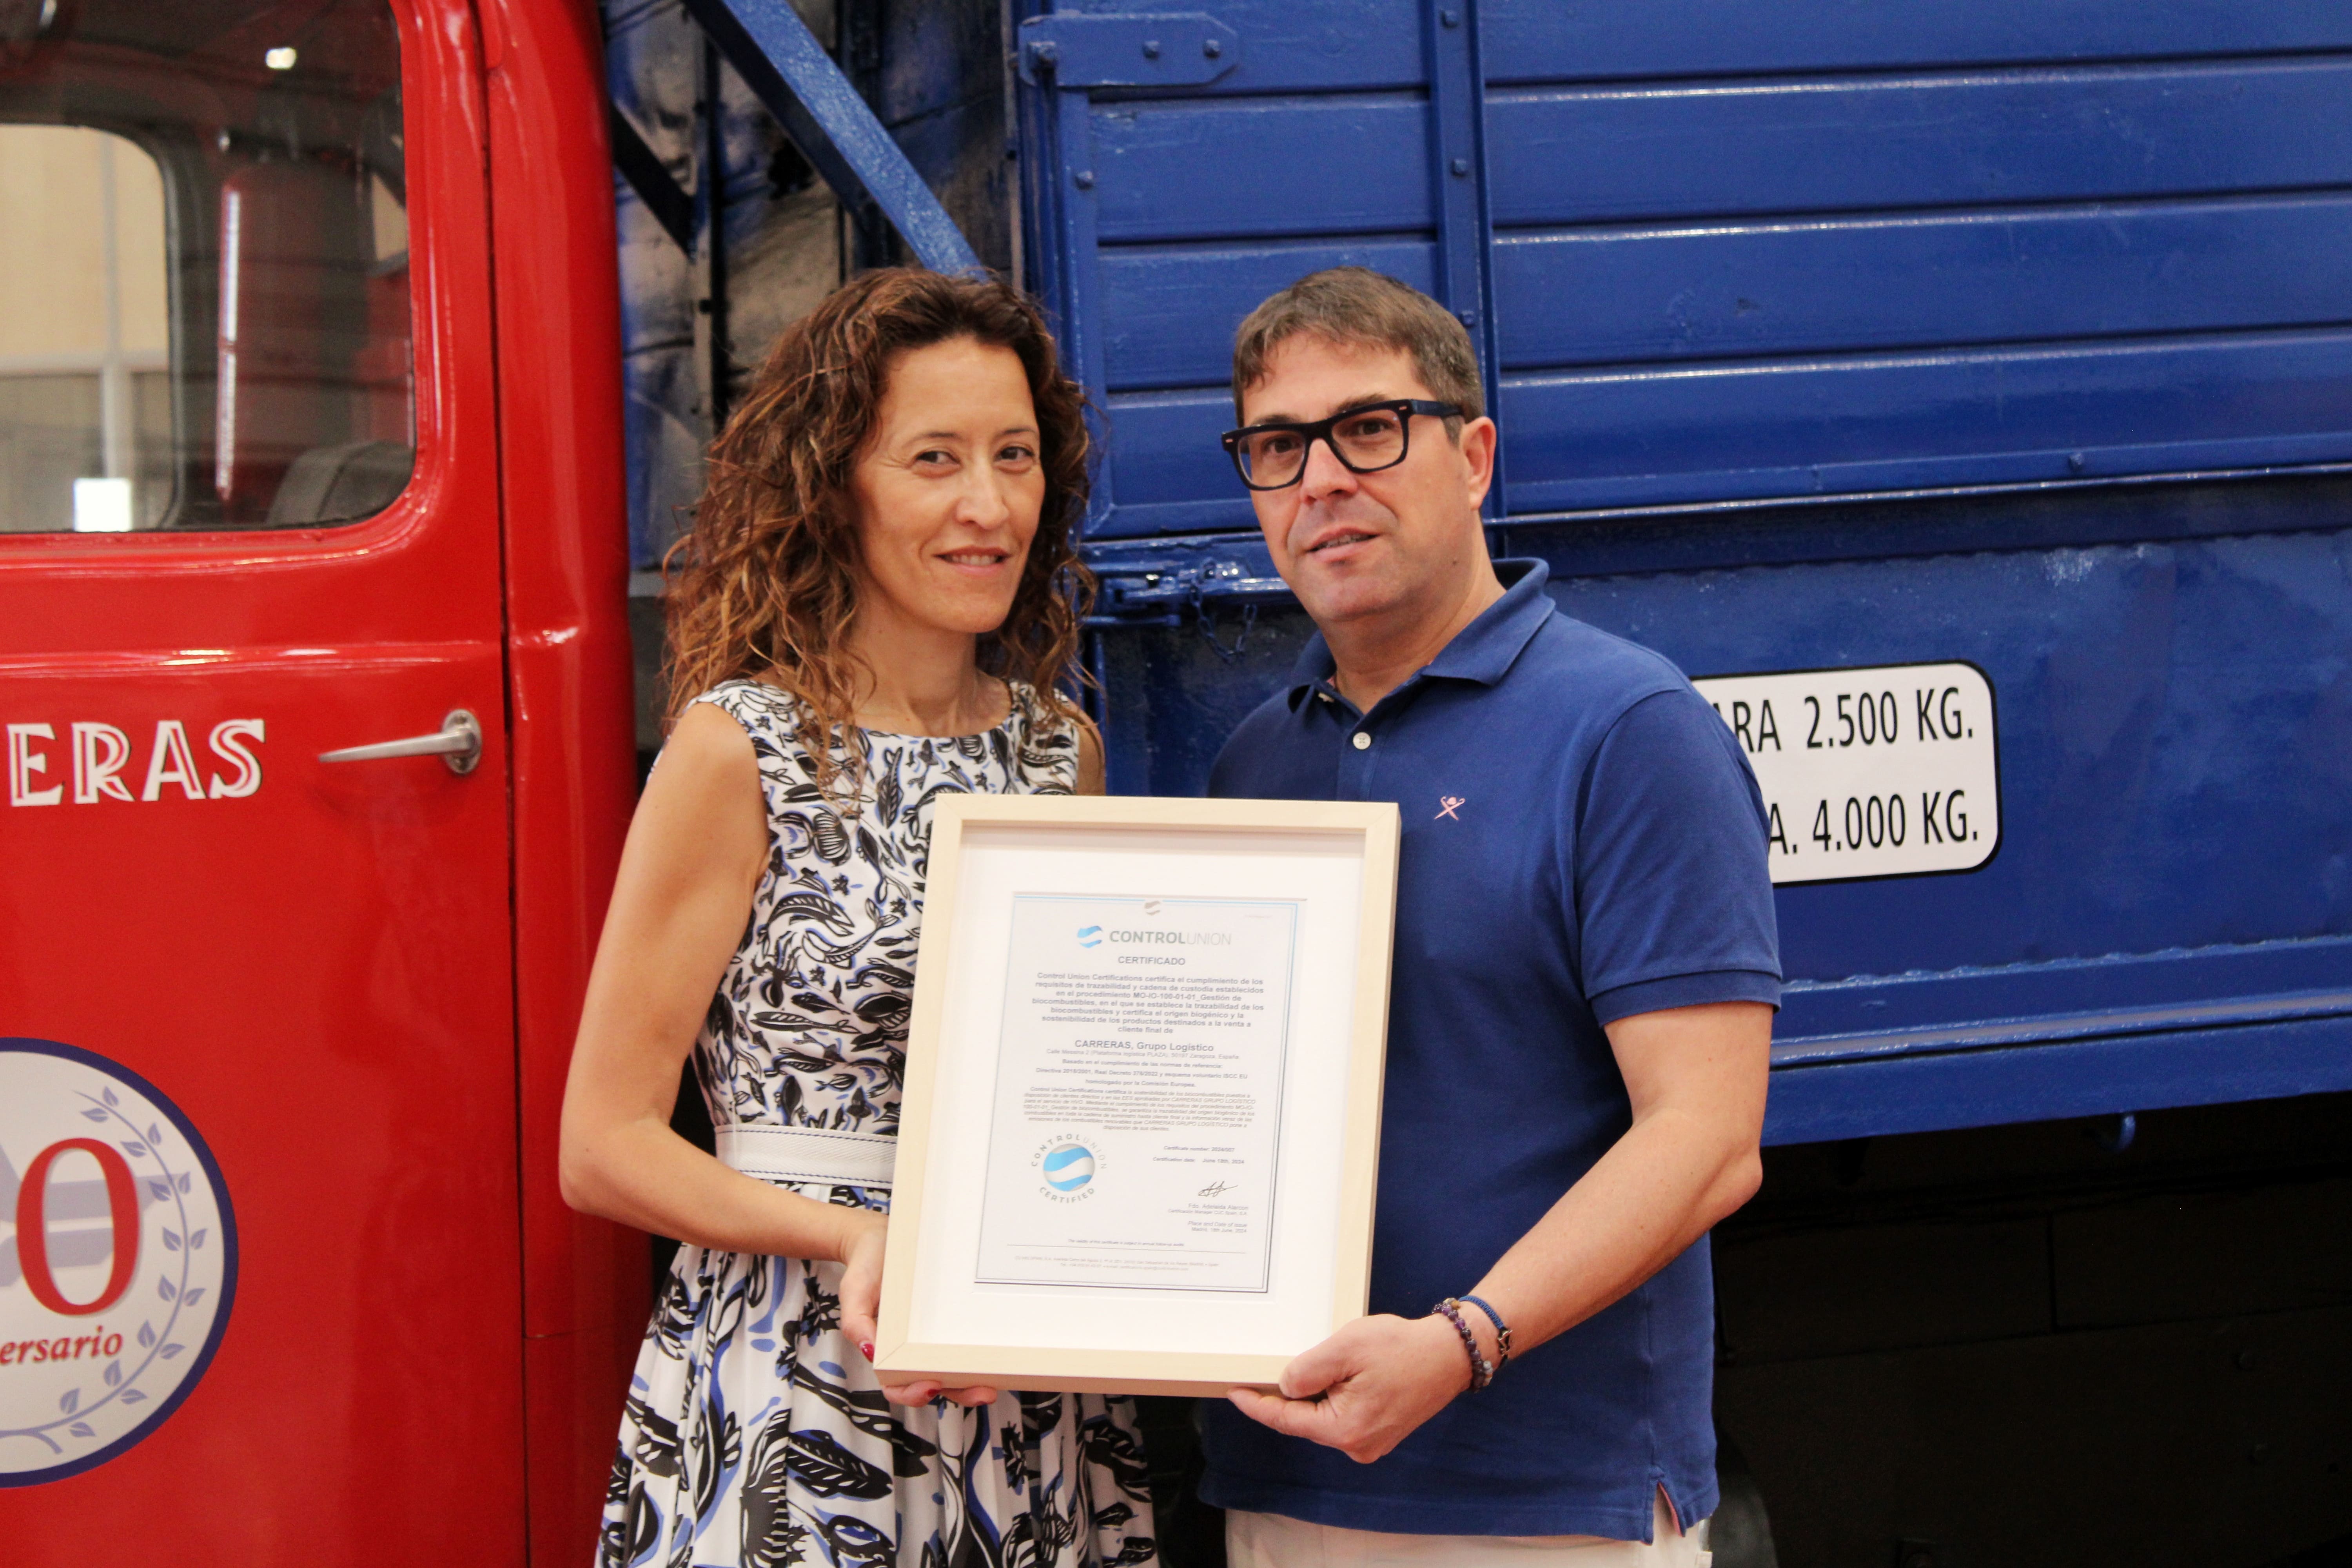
(1824, 336)
(1888, 253)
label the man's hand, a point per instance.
(861, 1305)
(1366, 1388)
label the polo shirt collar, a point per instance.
(1483, 651)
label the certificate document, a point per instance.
(1137, 1106)
(1140, 1141)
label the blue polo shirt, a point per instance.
(1583, 842)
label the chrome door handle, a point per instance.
(457, 743)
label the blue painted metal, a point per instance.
(2096, 1077)
(1814, 145)
(935, 73)
(2177, 745)
(1798, 281)
(1153, 149)
(1831, 335)
(1565, 39)
(652, 56)
(1164, 582)
(781, 61)
(1183, 48)
(1168, 313)
(1606, 294)
(1458, 175)
(1826, 424)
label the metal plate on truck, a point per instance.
(1883, 771)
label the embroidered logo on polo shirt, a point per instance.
(1445, 804)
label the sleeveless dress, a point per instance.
(755, 1432)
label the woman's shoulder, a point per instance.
(770, 715)
(746, 694)
(766, 710)
(707, 748)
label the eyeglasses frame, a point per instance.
(1320, 430)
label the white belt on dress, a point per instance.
(809, 1154)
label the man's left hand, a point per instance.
(1366, 1388)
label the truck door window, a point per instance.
(203, 266)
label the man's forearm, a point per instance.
(1654, 1192)
(1660, 1187)
(1695, 1076)
(1696, 1079)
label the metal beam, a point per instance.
(1941, 1091)
(789, 72)
(1466, 228)
(664, 198)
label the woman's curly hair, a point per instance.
(764, 584)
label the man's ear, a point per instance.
(1478, 443)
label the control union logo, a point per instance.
(118, 1259)
(1090, 936)
(1066, 1164)
(1069, 1167)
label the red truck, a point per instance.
(284, 1274)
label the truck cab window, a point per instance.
(203, 260)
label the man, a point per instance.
(1581, 1009)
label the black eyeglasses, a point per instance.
(1365, 438)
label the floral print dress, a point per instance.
(755, 1433)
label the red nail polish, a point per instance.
(866, 1347)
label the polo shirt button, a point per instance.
(1363, 743)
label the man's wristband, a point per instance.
(1482, 1371)
(1502, 1330)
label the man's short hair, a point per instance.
(1357, 307)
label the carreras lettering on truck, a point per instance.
(104, 763)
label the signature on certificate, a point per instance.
(1216, 1189)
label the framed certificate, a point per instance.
(1137, 1146)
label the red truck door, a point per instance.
(260, 1277)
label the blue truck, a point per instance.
(1962, 394)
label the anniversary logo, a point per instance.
(118, 1259)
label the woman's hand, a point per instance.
(861, 1280)
(861, 1308)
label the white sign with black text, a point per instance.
(1890, 771)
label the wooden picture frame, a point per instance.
(1251, 1285)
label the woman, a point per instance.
(876, 606)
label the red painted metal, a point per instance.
(584, 1280)
(360, 982)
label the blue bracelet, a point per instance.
(1502, 1330)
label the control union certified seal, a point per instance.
(1066, 1164)
(118, 1259)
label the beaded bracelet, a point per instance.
(1502, 1330)
(1482, 1371)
